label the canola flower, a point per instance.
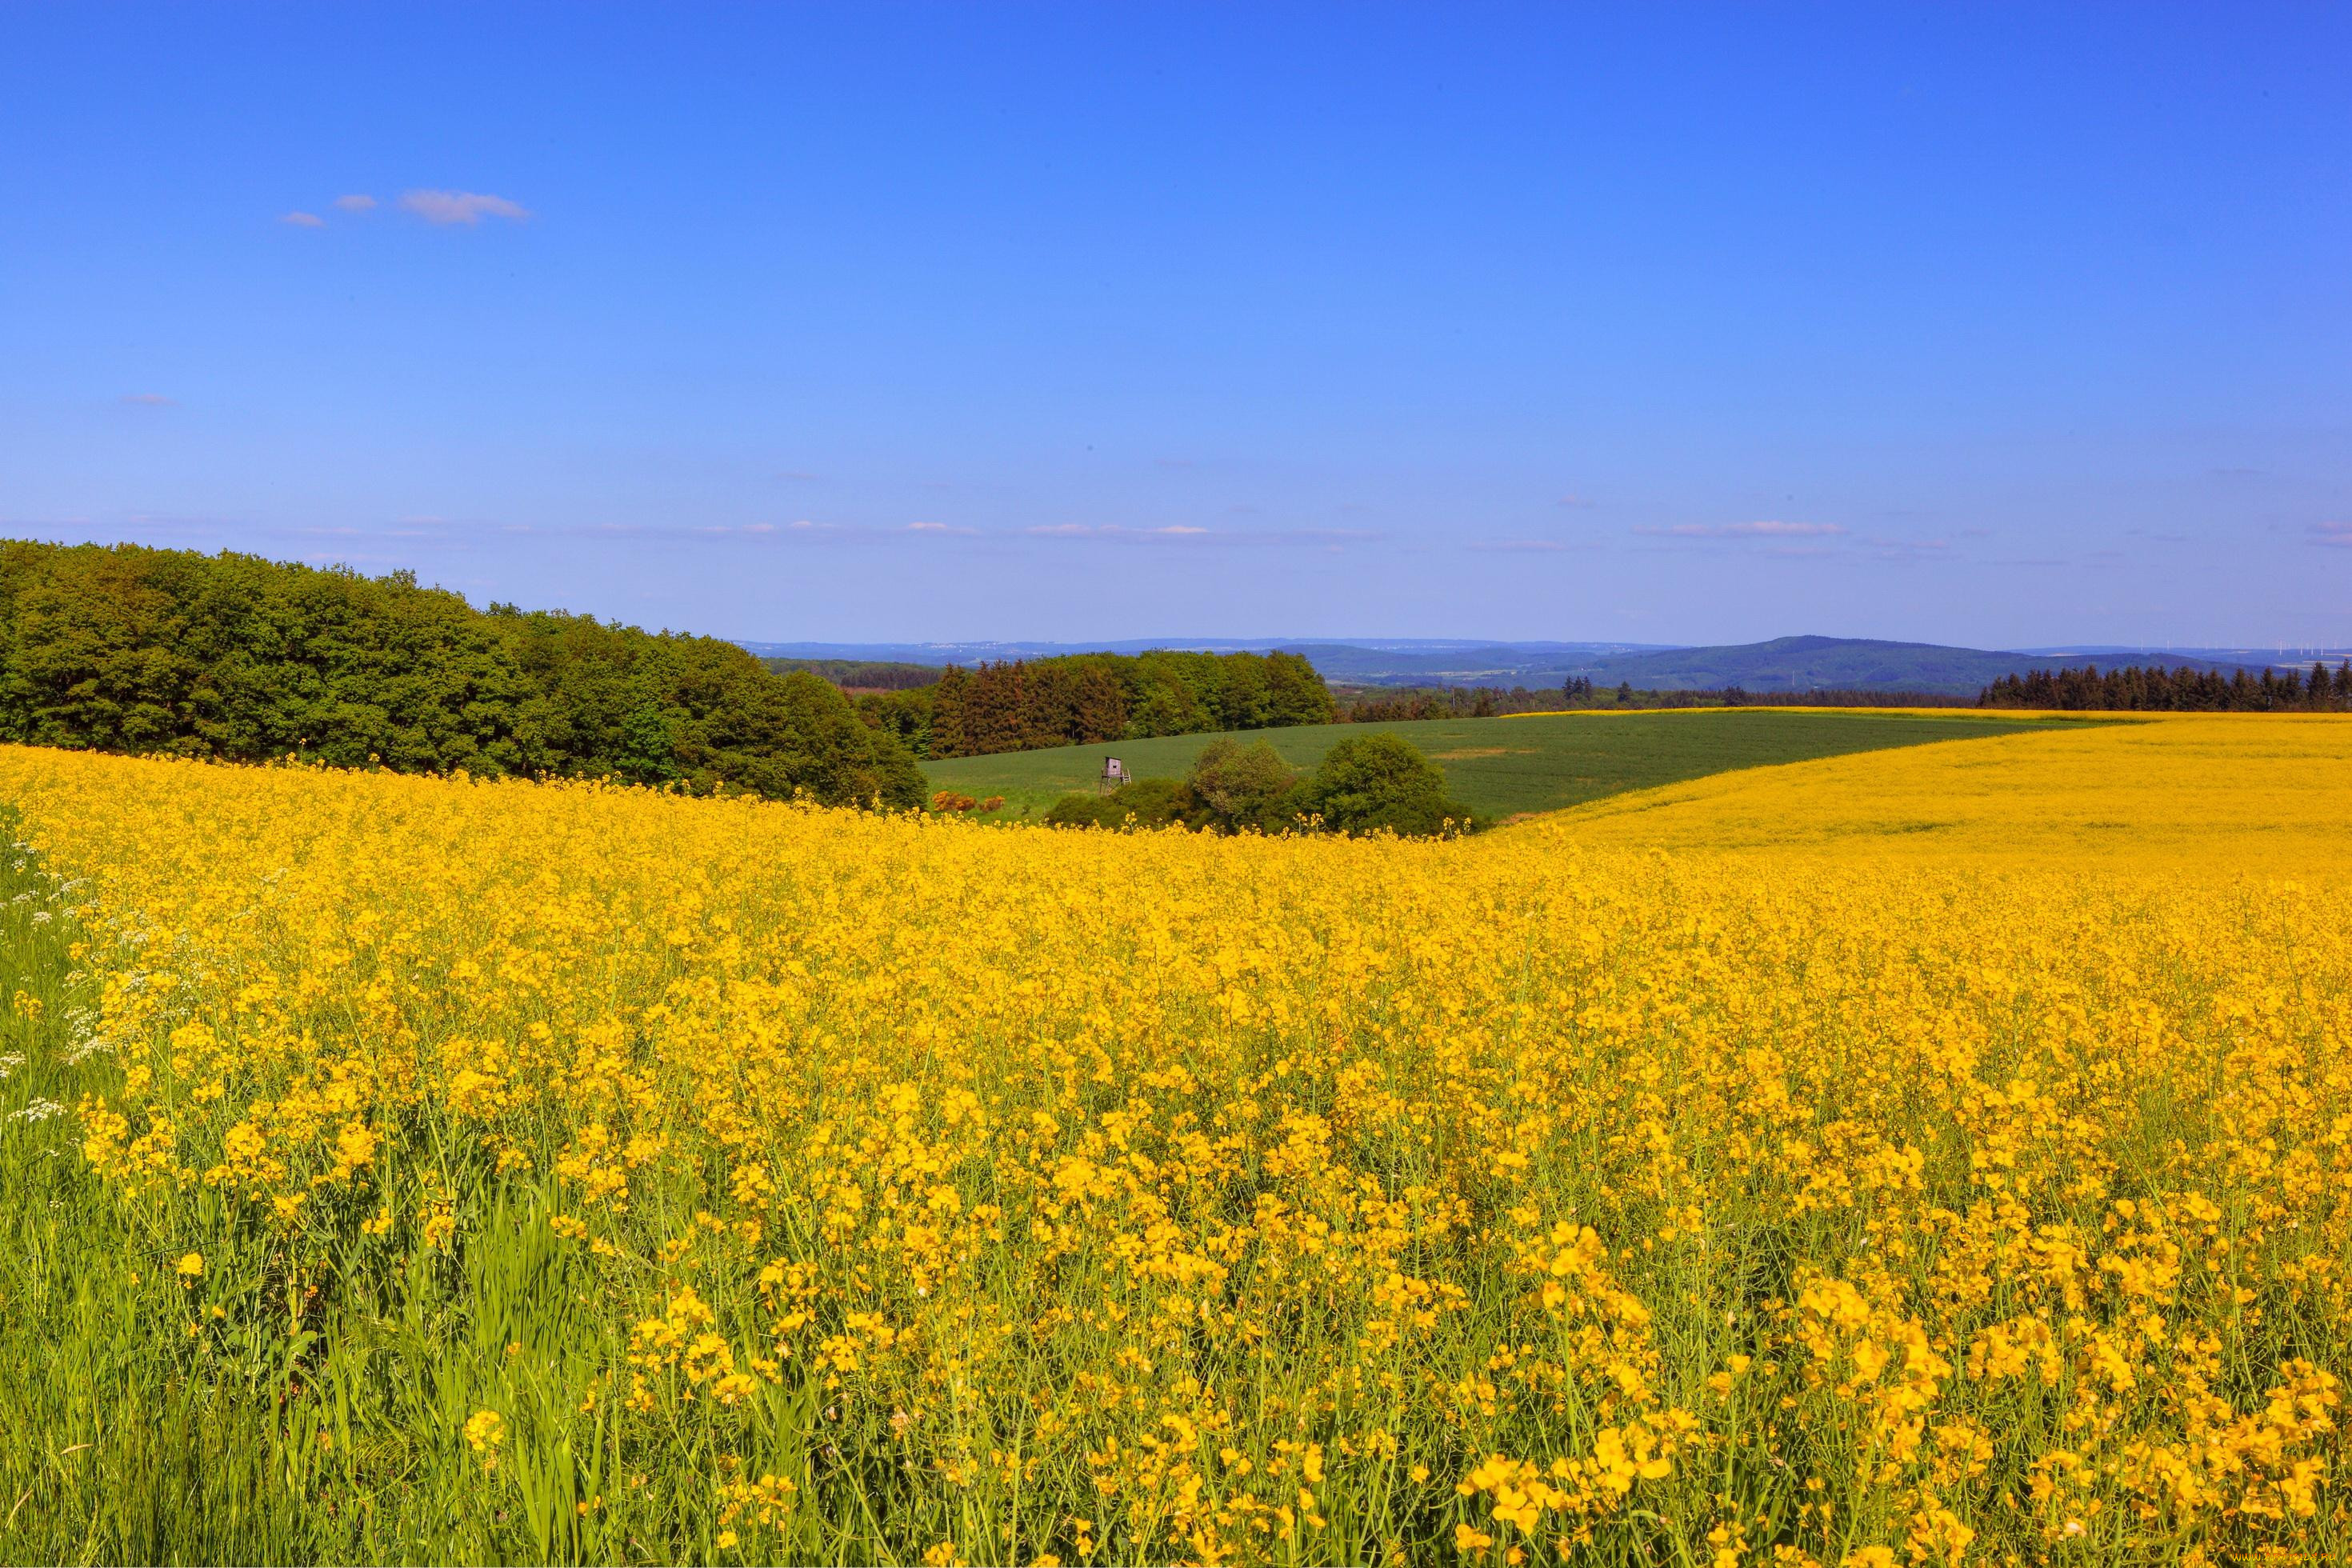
(1925, 1156)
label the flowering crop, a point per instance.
(1931, 1157)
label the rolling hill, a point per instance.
(1502, 767)
(1786, 665)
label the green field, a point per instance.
(1502, 768)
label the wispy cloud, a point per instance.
(1191, 533)
(795, 474)
(2336, 535)
(467, 207)
(1910, 549)
(150, 400)
(304, 220)
(1768, 528)
(1519, 546)
(957, 530)
(1115, 530)
(356, 202)
(1581, 503)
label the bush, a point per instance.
(1235, 787)
(1152, 803)
(1370, 782)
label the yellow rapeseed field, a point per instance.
(1936, 1155)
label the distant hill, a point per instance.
(1800, 664)
(1793, 665)
(1460, 664)
(1387, 660)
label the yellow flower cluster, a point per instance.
(1925, 1156)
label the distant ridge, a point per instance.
(973, 652)
(1791, 665)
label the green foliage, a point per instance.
(130, 650)
(861, 674)
(904, 716)
(1147, 803)
(2182, 690)
(1365, 784)
(1502, 768)
(1235, 787)
(1381, 781)
(1084, 698)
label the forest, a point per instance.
(1024, 705)
(2184, 691)
(231, 657)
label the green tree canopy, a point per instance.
(1244, 786)
(130, 649)
(1369, 782)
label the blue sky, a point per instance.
(1995, 325)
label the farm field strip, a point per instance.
(1938, 1154)
(1506, 767)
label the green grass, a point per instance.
(1502, 768)
(140, 1425)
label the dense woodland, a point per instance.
(126, 648)
(2183, 690)
(1024, 705)
(855, 675)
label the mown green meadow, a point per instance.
(1503, 768)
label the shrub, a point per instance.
(1370, 782)
(1235, 787)
(1152, 803)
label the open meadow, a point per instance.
(1934, 1154)
(1505, 767)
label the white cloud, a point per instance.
(355, 204)
(467, 207)
(304, 220)
(1185, 532)
(1113, 530)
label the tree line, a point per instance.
(127, 649)
(860, 674)
(1024, 705)
(1388, 705)
(2182, 690)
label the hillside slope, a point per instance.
(1501, 767)
(1809, 663)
